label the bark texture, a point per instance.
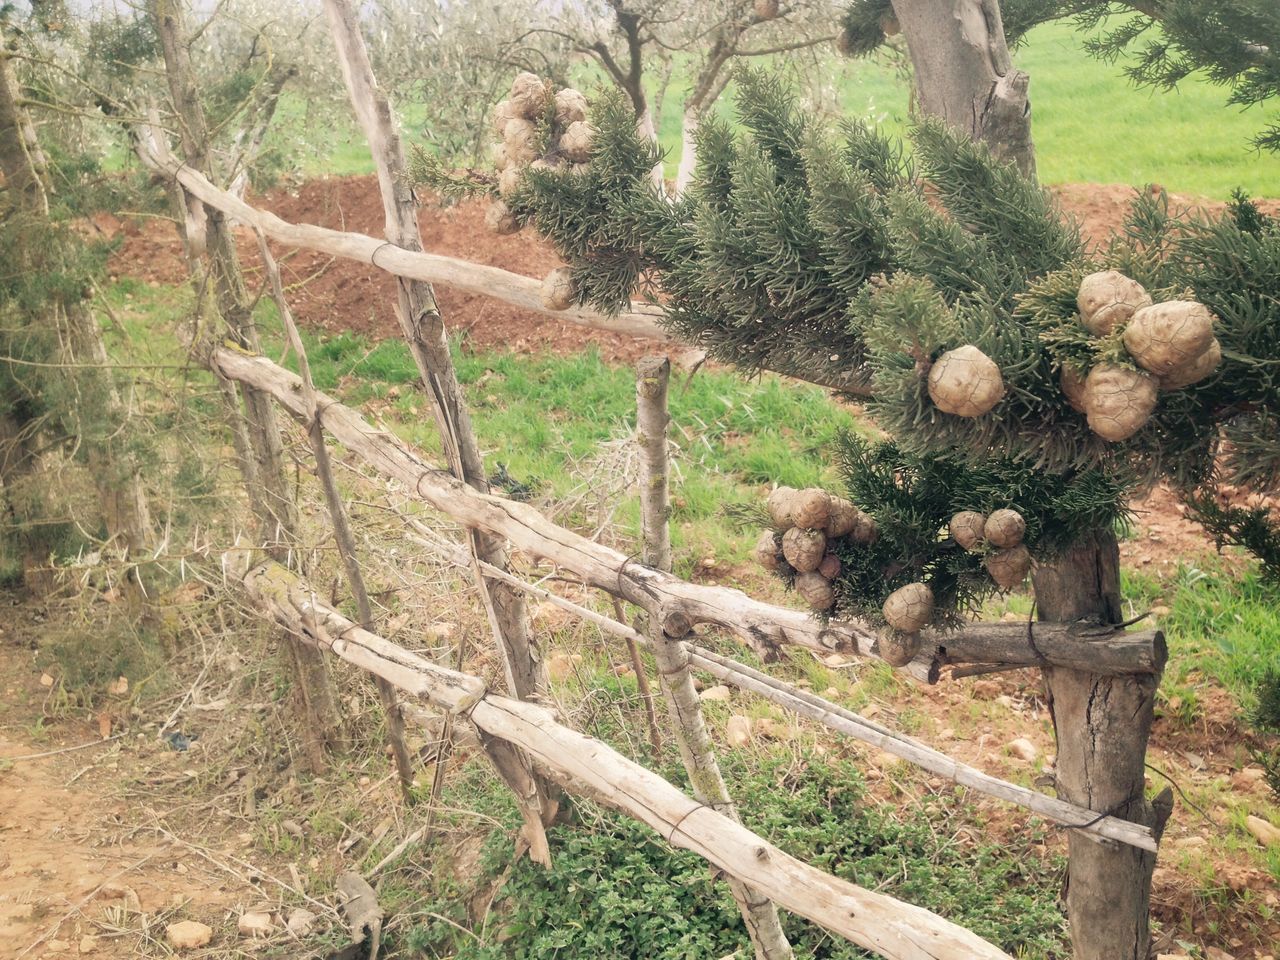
(1102, 724)
(214, 262)
(424, 330)
(964, 74)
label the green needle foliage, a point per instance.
(823, 253)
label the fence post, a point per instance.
(342, 535)
(423, 329)
(672, 655)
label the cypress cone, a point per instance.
(804, 549)
(1005, 528)
(909, 609)
(1108, 299)
(966, 529)
(965, 382)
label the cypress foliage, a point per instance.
(824, 253)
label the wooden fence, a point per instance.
(514, 726)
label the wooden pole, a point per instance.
(683, 707)
(424, 331)
(342, 534)
(215, 266)
(891, 928)
(763, 626)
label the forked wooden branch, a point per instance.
(835, 717)
(896, 930)
(677, 604)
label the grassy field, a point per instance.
(1091, 124)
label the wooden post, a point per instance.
(214, 262)
(424, 331)
(342, 534)
(1102, 724)
(652, 420)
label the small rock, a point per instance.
(1214, 953)
(56, 946)
(188, 935)
(1192, 841)
(718, 692)
(738, 730)
(1264, 832)
(301, 922)
(88, 944)
(292, 827)
(46, 680)
(255, 925)
(1172, 956)
(1023, 749)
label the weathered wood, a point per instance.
(965, 76)
(342, 535)
(424, 331)
(513, 288)
(1102, 724)
(671, 600)
(683, 706)
(831, 715)
(215, 265)
(896, 930)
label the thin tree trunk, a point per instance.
(1102, 724)
(672, 656)
(98, 414)
(211, 253)
(342, 534)
(965, 76)
(424, 331)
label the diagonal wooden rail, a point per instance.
(675, 602)
(834, 717)
(640, 320)
(890, 927)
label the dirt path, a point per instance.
(83, 870)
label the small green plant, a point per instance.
(618, 890)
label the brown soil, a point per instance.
(340, 295)
(82, 869)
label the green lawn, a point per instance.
(1091, 125)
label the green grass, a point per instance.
(547, 421)
(1091, 125)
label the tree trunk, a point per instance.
(688, 148)
(98, 414)
(964, 74)
(1102, 724)
(211, 253)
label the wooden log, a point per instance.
(673, 601)
(683, 706)
(894, 929)
(642, 320)
(840, 720)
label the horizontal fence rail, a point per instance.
(892, 928)
(678, 604)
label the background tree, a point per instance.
(58, 390)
